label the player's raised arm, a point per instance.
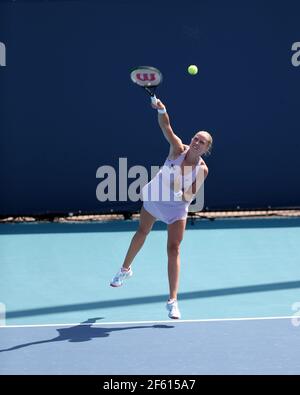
(164, 123)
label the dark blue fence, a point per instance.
(67, 105)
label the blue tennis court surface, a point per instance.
(268, 346)
(55, 275)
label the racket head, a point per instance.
(146, 76)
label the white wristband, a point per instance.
(162, 110)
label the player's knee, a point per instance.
(174, 248)
(143, 231)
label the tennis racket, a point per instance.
(148, 78)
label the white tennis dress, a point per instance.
(159, 197)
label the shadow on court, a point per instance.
(154, 299)
(85, 332)
(131, 226)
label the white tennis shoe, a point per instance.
(173, 309)
(119, 278)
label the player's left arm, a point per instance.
(202, 173)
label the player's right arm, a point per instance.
(176, 145)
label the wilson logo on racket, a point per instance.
(146, 77)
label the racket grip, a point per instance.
(153, 100)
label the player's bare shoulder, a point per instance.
(204, 166)
(175, 152)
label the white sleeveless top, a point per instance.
(162, 196)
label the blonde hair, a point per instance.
(209, 140)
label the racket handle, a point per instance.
(153, 100)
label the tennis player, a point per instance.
(185, 163)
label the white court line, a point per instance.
(151, 322)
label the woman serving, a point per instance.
(167, 197)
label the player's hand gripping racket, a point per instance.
(148, 78)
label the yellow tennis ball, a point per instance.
(192, 69)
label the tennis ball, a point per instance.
(193, 69)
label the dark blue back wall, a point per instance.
(67, 104)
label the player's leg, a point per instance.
(145, 226)
(175, 236)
